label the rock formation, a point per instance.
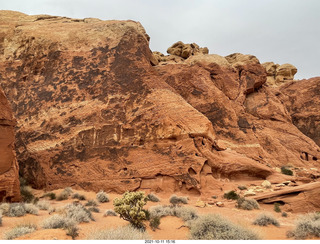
(98, 110)
(278, 74)
(9, 170)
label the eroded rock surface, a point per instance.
(9, 170)
(279, 74)
(94, 110)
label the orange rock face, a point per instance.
(9, 170)
(94, 112)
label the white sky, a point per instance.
(282, 31)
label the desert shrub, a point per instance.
(276, 207)
(231, 195)
(43, 205)
(102, 197)
(284, 214)
(4, 208)
(247, 204)
(177, 200)
(185, 213)
(26, 194)
(58, 222)
(50, 195)
(68, 190)
(110, 212)
(78, 213)
(78, 196)
(153, 198)
(154, 223)
(307, 226)
(242, 187)
(20, 230)
(64, 195)
(0, 218)
(31, 209)
(130, 208)
(94, 209)
(16, 210)
(214, 227)
(51, 210)
(121, 233)
(72, 231)
(266, 219)
(91, 203)
(286, 171)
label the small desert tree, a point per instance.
(130, 208)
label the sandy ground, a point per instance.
(171, 228)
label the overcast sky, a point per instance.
(282, 31)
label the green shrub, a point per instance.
(58, 222)
(266, 219)
(247, 204)
(231, 195)
(276, 207)
(154, 223)
(50, 195)
(153, 198)
(284, 214)
(26, 194)
(91, 203)
(64, 195)
(43, 205)
(307, 226)
(20, 230)
(110, 212)
(121, 233)
(78, 196)
(102, 197)
(286, 171)
(214, 227)
(16, 210)
(174, 200)
(130, 208)
(72, 231)
(242, 188)
(31, 209)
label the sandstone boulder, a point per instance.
(9, 170)
(186, 50)
(278, 74)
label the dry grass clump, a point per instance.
(153, 198)
(4, 208)
(102, 197)
(91, 203)
(78, 196)
(20, 230)
(185, 213)
(94, 209)
(0, 218)
(31, 209)
(247, 204)
(43, 205)
(265, 220)
(307, 226)
(50, 195)
(64, 195)
(16, 210)
(214, 227)
(122, 233)
(174, 199)
(58, 222)
(110, 212)
(72, 231)
(78, 213)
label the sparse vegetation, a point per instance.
(242, 188)
(58, 222)
(91, 203)
(231, 195)
(72, 231)
(284, 214)
(68, 190)
(286, 171)
(247, 204)
(26, 194)
(0, 218)
(153, 198)
(102, 197)
(276, 207)
(130, 208)
(78, 196)
(214, 227)
(94, 209)
(154, 223)
(121, 233)
(20, 230)
(50, 195)
(110, 212)
(64, 195)
(31, 209)
(43, 205)
(265, 220)
(16, 210)
(175, 200)
(307, 226)
(78, 213)
(4, 208)
(185, 213)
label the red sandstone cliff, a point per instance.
(95, 108)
